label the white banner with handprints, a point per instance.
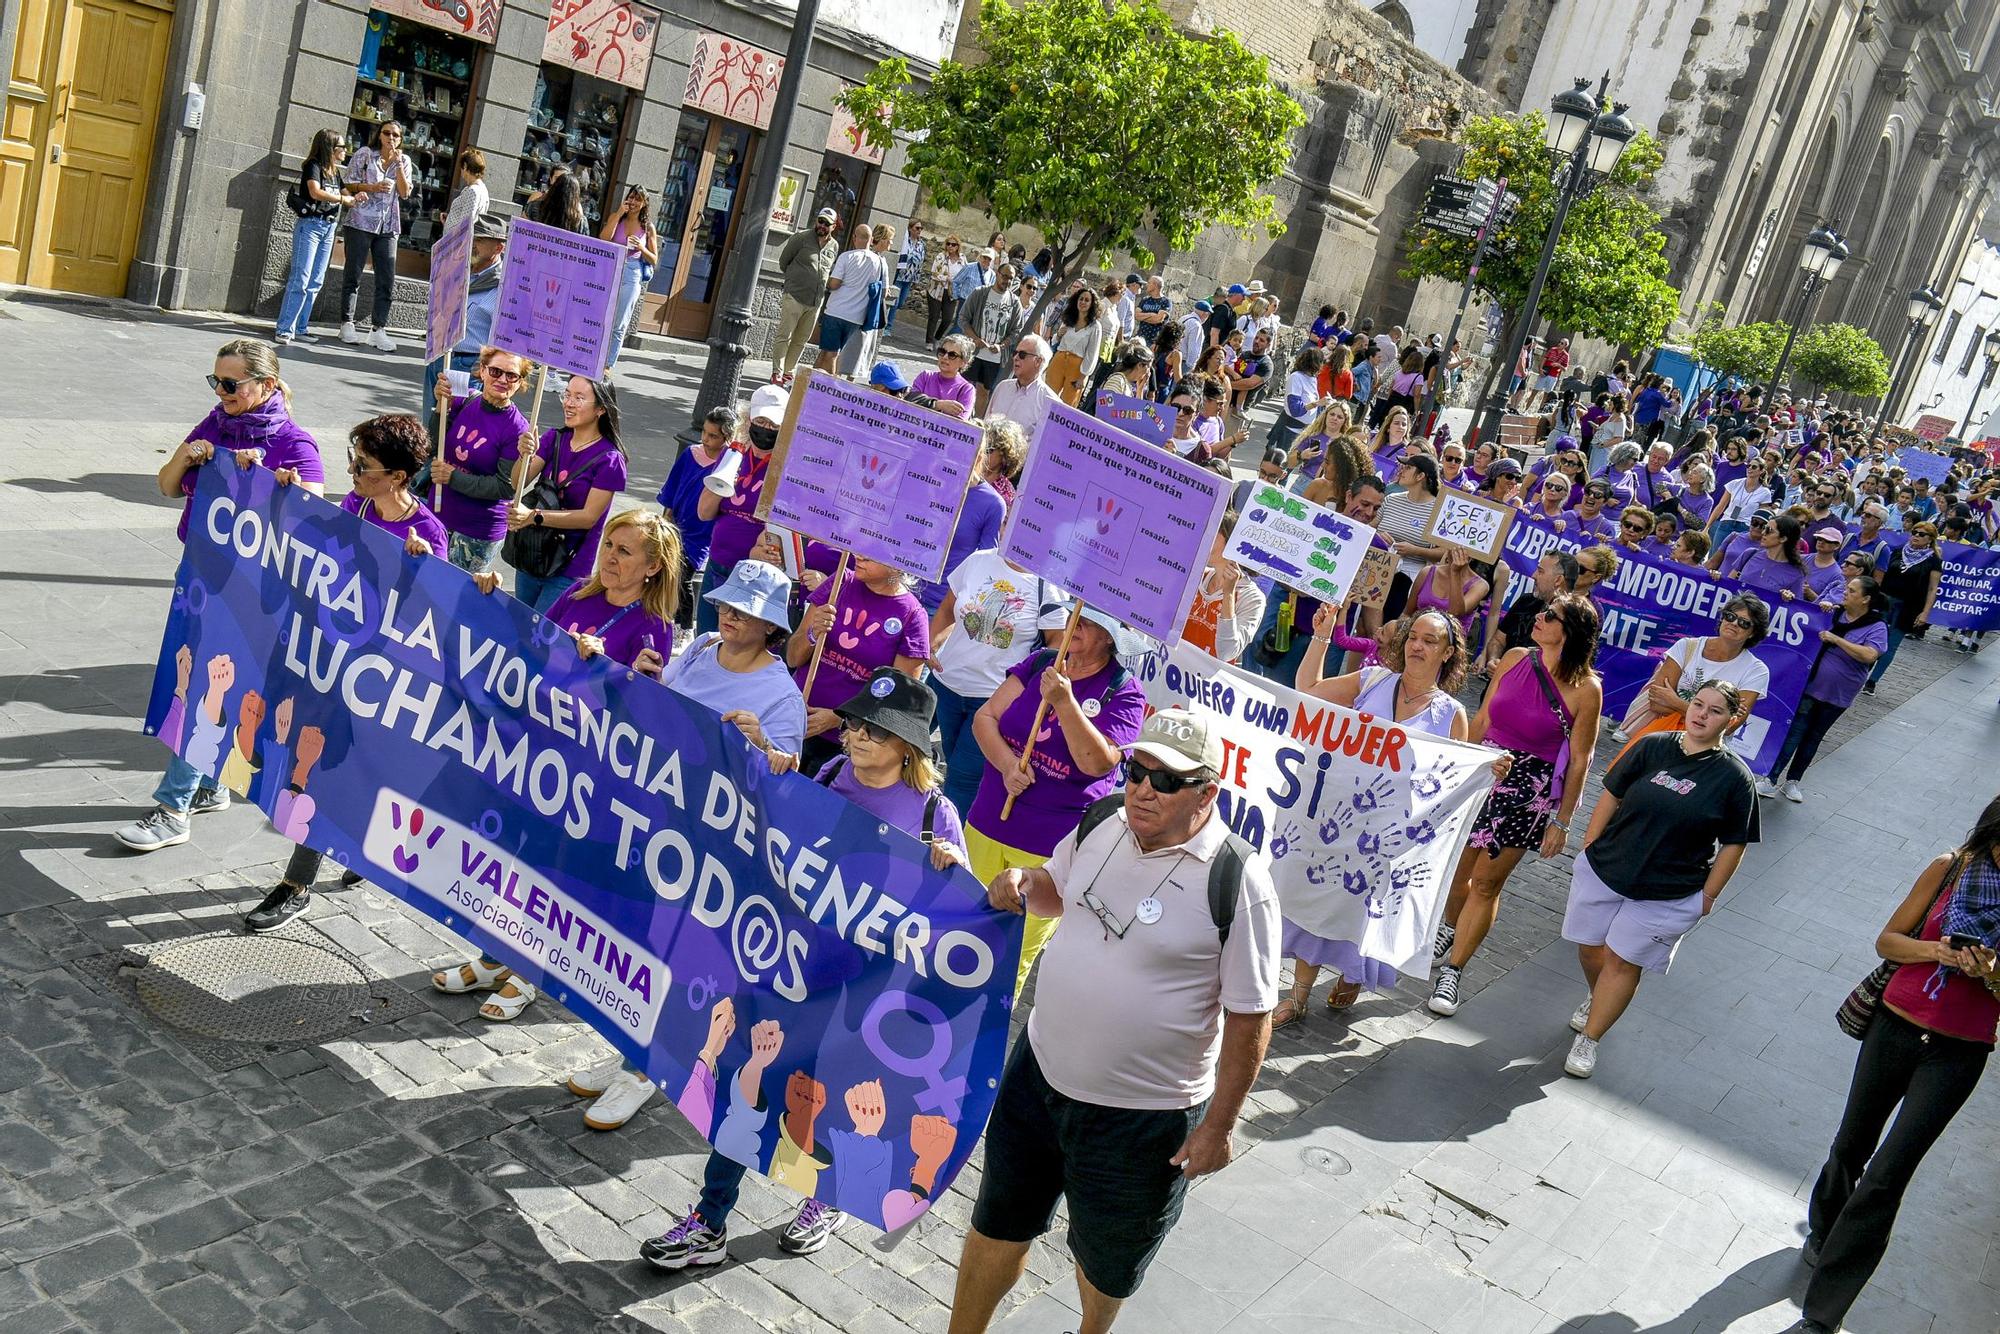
(1363, 820)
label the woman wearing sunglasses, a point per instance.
(1911, 581)
(1696, 659)
(482, 432)
(1542, 708)
(886, 767)
(252, 423)
(1859, 635)
(1095, 711)
(947, 384)
(1741, 498)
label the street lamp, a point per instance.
(1589, 138)
(1820, 259)
(1986, 378)
(1921, 312)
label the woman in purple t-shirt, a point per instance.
(1847, 651)
(875, 622)
(1772, 564)
(586, 461)
(251, 421)
(473, 472)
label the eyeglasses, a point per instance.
(876, 734)
(353, 459)
(505, 377)
(228, 384)
(1454, 458)
(1164, 782)
(1019, 355)
(1736, 618)
(1638, 526)
(1112, 926)
(948, 355)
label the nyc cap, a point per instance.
(1181, 741)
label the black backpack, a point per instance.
(537, 550)
(1225, 870)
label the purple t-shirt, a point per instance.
(1758, 570)
(1048, 811)
(899, 804)
(1601, 528)
(420, 521)
(1827, 585)
(933, 384)
(626, 631)
(1696, 508)
(680, 497)
(1836, 677)
(870, 630)
(268, 427)
(598, 466)
(737, 526)
(481, 436)
(978, 528)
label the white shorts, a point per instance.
(1645, 932)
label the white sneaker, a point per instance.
(348, 333)
(381, 342)
(1792, 791)
(1766, 788)
(283, 340)
(1618, 735)
(1576, 1020)
(1582, 1062)
(626, 1094)
(597, 1078)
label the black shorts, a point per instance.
(1110, 1164)
(985, 374)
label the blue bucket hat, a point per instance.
(759, 590)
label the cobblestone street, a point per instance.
(402, 1165)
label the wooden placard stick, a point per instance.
(1042, 709)
(819, 645)
(444, 415)
(534, 433)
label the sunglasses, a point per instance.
(353, 459)
(1638, 527)
(1165, 782)
(505, 377)
(1018, 355)
(228, 384)
(1736, 618)
(876, 734)
(949, 355)
(1758, 523)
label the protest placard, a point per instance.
(1363, 820)
(451, 284)
(871, 474)
(1463, 519)
(612, 841)
(1374, 577)
(557, 292)
(1300, 544)
(1920, 462)
(1968, 596)
(1152, 422)
(1649, 604)
(1122, 526)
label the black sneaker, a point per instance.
(1809, 1327)
(1809, 1252)
(349, 879)
(690, 1242)
(280, 906)
(1441, 946)
(1444, 995)
(1868, 688)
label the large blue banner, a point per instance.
(1968, 596)
(1650, 604)
(822, 1004)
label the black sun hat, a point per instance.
(897, 703)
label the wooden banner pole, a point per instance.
(819, 645)
(1042, 709)
(534, 433)
(444, 416)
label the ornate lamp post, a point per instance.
(1588, 138)
(1820, 259)
(1922, 312)
(1986, 378)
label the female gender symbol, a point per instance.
(940, 1095)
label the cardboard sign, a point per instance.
(1922, 463)
(557, 294)
(1152, 422)
(1371, 582)
(1300, 544)
(451, 286)
(871, 474)
(1473, 522)
(1930, 426)
(1123, 526)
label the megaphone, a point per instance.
(722, 481)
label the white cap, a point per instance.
(767, 403)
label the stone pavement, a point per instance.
(426, 1170)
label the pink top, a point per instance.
(1426, 597)
(1519, 716)
(1939, 998)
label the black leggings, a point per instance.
(361, 247)
(938, 319)
(1810, 725)
(1859, 1190)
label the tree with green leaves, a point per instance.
(1841, 359)
(1089, 120)
(1746, 351)
(1608, 279)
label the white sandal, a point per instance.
(513, 997)
(474, 976)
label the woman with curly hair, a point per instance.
(1542, 708)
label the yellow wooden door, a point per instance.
(24, 130)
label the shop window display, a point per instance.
(579, 122)
(421, 78)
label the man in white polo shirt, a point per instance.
(1023, 397)
(1152, 1012)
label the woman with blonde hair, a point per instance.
(1342, 462)
(1394, 432)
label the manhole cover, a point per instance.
(1327, 1161)
(254, 988)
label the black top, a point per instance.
(309, 207)
(1674, 811)
(1519, 620)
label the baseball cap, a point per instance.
(826, 215)
(1829, 535)
(1238, 289)
(767, 403)
(1181, 741)
(1203, 306)
(1762, 515)
(1132, 278)
(887, 375)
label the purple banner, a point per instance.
(556, 298)
(1649, 604)
(822, 1004)
(874, 475)
(1968, 596)
(451, 282)
(1152, 422)
(1124, 527)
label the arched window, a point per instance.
(1398, 18)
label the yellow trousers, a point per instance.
(989, 857)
